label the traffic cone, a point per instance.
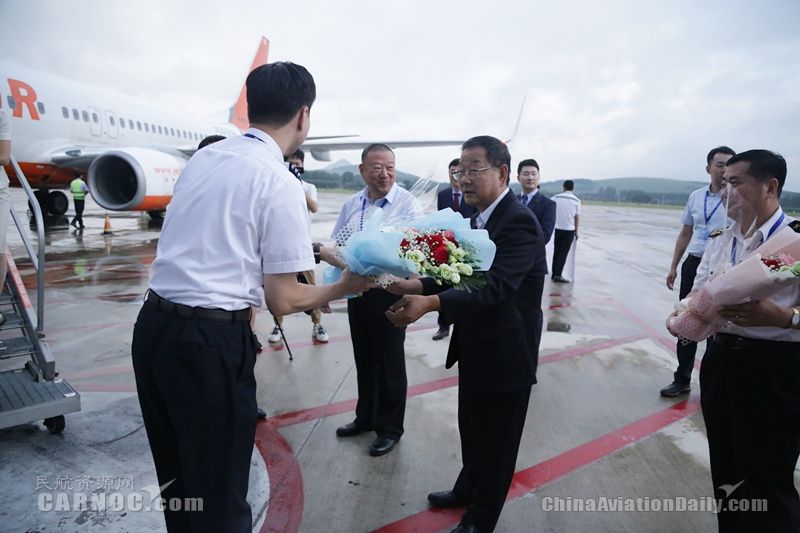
(107, 226)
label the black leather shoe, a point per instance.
(465, 528)
(350, 430)
(382, 446)
(446, 499)
(675, 389)
(441, 334)
(560, 279)
(262, 414)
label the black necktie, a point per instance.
(473, 222)
(455, 201)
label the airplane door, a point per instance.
(112, 123)
(95, 127)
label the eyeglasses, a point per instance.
(471, 173)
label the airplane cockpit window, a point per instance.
(75, 114)
(40, 107)
(11, 102)
(95, 118)
(65, 111)
(85, 116)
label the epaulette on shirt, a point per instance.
(717, 233)
(795, 225)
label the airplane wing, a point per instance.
(321, 150)
(81, 157)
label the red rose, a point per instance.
(433, 240)
(439, 254)
(404, 244)
(450, 236)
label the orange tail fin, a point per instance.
(238, 115)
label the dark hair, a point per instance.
(211, 139)
(527, 163)
(298, 154)
(569, 185)
(454, 163)
(277, 91)
(764, 165)
(496, 150)
(718, 150)
(375, 147)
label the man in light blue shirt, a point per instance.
(703, 214)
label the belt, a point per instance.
(735, 342)
(220, 315)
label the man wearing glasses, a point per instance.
(377, 344)
(495, 338)
(453, 198)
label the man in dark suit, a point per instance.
(543, 207)
(453, 198)
(495, 338)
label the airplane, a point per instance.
(131, 152)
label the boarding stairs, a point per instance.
(30, 389)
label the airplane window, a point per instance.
(112, 121)
(146, 128)
(130, 124)
(159, 129)
(172, 132)
(85, 116)
(11, 103)
(40, 107)
(122, 122)
(75, 114)
(95, 118)
(65, 111)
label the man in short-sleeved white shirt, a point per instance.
(703, 214)
(568, 210)
(377, 343)
(237, 221)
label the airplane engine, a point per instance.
(134, 179)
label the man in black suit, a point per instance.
(453, 198)
(495, 339)
(543, 207)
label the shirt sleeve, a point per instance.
(5, 125)
(311, 190)
(688, 219)
(285, 243)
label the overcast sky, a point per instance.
(614, 88)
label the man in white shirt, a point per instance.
(318, 333)
(750, 375)
(703, 214)
(5, 202)
(568, 210)
(377, 343)
(237, 221)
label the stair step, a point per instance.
(13, 320)
(15, 346)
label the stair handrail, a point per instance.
(37, 259)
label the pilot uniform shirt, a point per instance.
(567, 206)
(237, 213)
(705, 213)
(397, 204)
(730, 248)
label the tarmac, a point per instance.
(597, 429)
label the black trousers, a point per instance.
(562, 242)
(751, 407)
(79, 205)
(380, 364)
(490, 426)
(197, 391)
(686, 352)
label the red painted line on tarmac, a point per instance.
(98, 327)
(105, 387)
(588, 348)
(285, 509)
(555, 468)
(99, 372)
(636, 319)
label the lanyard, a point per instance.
(769, 234)
(382, 203)
(705, 207)
(258, 139)
(291, 167)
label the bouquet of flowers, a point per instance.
(440, 245)
(758, 277)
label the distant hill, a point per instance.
(344, 175)
(338, 164)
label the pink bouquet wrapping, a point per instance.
(756, 278)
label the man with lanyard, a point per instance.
(703, 214)
(78, 189)
(750, 375)
(377, 343)
(237, 221)
(453, 198)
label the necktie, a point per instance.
(456, 204)
(473, 222)
(524, 199)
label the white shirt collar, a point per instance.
(390, 197)
(483, 217)
(529, 196)
(766, 226)
(268, 141)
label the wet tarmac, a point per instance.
(596, 425)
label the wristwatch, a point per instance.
(316, 246)
(795, 324)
